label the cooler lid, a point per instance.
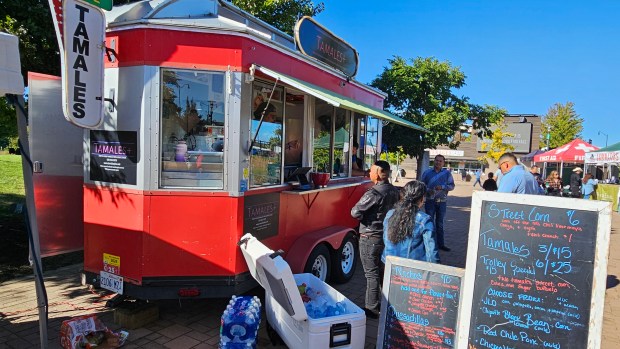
(274, 274)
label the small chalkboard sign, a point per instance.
(420, 305)
(535, 266)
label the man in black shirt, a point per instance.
(370, 210)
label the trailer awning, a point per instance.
(338, 100)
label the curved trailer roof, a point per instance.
(217, 15)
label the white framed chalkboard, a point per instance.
(536, 272)
(419, 305)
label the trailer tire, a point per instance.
(345, 260)
(319, 263)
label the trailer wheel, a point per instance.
(319, 263)
(345, 260)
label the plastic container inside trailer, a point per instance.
(285, 309)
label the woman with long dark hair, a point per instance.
(407, 231)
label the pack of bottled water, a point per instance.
(319, 305)
(240, 322)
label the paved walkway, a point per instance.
(195, 324)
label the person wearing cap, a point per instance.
(575, 182)
(370, 211)
(516, 179)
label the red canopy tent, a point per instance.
(573, 151)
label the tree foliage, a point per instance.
(423, 92)
(496, 147)
(563, 124)
(282, 14)
(394, 157)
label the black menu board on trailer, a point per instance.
(420, 305)
(534, 266)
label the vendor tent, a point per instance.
(574, 151)
(571, 152)
(341, 140)
(603, 156)
(530, 156)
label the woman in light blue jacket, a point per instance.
(588, 186)
(407, 231)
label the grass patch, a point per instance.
(13, 237)
(12, 190)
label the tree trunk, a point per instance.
(418, 170)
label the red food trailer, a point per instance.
(213, 122)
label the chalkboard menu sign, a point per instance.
(420, 305)
(535, 264)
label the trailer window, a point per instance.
(266, 132)
(192, 129)
(372, 139)
(321, 152)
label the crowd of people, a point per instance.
(409, 223)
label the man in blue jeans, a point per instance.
(438, 183)
(370, 210)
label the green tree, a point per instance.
(563, 124)
(423, 92)
(394, 157)
(8, 125)
(496, 147)
(282, 14)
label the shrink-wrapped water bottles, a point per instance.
(240, 322)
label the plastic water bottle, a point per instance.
(240, 323)
(341, 308)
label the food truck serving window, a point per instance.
(192, 129)
(266, 153)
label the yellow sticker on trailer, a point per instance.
(111, 263)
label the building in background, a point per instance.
(526, 129)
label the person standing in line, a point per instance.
(370, 210)
(554, 184)
(575, 182)
(537, 177)
(489, 184)
(478, 176)
(515, 178)
(463, 175)
(438, 183)
(407, 230)
(587, 188)
(498, 175)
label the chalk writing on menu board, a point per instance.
(534, 274)
(422, 307)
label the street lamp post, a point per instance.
(606, 136)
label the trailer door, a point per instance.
(57, 152)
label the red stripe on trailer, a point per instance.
(211, 51)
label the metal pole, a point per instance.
(35, 248)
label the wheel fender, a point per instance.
(299, 252)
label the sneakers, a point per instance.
(445, 248)
(371, 314)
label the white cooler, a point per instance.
(285, 310)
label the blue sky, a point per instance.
(523, 56)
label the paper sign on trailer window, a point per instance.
(83, 47)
